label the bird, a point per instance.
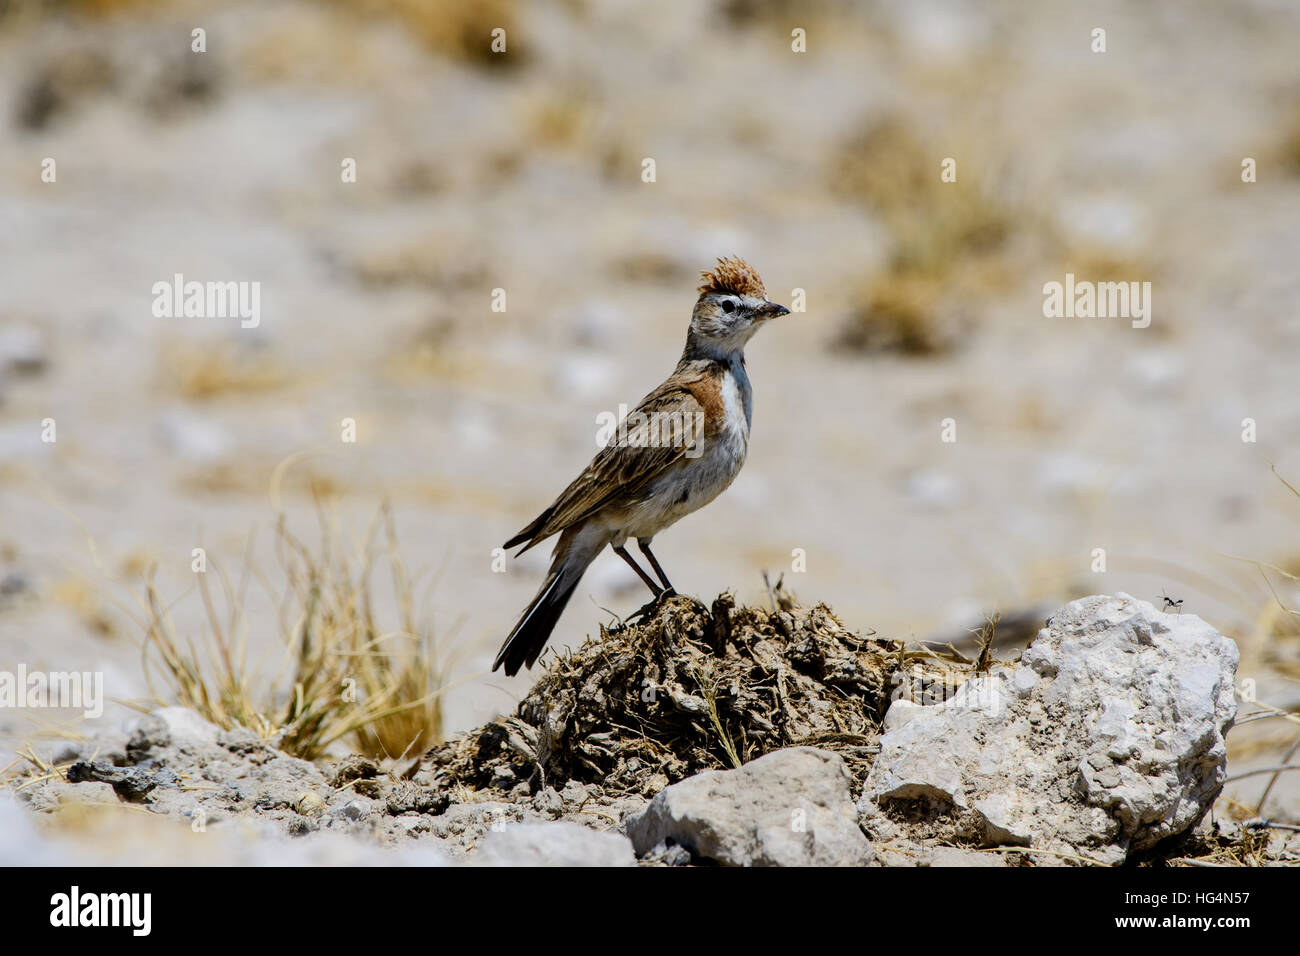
(677, 451)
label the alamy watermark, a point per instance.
(131, 911)
(1084, 299)
(179, 299)
(39, 690)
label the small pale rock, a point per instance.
(574, 794)
(310, 804)
(503, 778)
(548, 803)
(357, 809)
(792, 807)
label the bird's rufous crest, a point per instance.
(734, 276)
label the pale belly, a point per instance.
(691, 485)
(692, 482)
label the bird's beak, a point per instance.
(770, 310)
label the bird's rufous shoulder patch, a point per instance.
(707, 391)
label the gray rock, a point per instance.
(278, 783)
(668, 855)
(1109, 735)
(171, 727)
(788, 808)
(548, 803)
(521, 792)
(412, 823)
(503, 778)
(553, 844)
(407, 797)
(574, 795)
(130, 783)
(358, 808)
(242, 741)
(58, 793)
(107, 746)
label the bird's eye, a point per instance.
(728, 305)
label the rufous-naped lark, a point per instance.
(678, 450)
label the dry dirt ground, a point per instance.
(672, 702)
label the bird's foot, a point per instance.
(647, 609)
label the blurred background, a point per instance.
(522, 171)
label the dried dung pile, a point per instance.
(692, 688)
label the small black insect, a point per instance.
(1171, 604)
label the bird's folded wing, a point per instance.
(657, 433)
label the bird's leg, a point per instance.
(655, 589)
(659, 593)
(669, 590)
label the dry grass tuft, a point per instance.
(343, 677)
(900, 312)
(888, 168)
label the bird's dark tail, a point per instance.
(530, 635)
